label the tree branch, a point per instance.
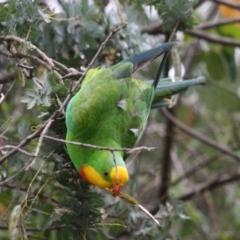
(228, 4)
(166, 162)
(199, 165)
(32, 161)
(19, 149)
(34, 59)
(218, 181)
(220, 22)
(156, 29)
(204, 139)
(86, 145)
(152, 29)
(211, 38)
(30, 46)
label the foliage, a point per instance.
(19, 17)
(172, 12)
(38, 184)
(80, 210)
(175, 12)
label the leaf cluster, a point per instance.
(78, 28)
(175, 12)
(39, 95)
(172, 12)
(19, 17)
(80, 209)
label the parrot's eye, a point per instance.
(105, 173)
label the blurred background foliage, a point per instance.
(191, 183)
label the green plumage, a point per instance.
(111, 109)
(106, 112)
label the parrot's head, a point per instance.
(111, 175)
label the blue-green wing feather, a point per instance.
(122, 70)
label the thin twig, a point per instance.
(37, 194)
(47, 126)
(13, 176)
(30, 46)
(3, 126)
(75, 74)
(220, 22)
(19, 149)
(61, 65)
(104, 43)
(24, 202)
(86, 145)
(25, 66)
(33, 58)
(38, 171)
(36, 60)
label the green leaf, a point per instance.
(42, 114)
(31, 93)
(31, 103)
(25, 99)
(44, 15)
(45, 101)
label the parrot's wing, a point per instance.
(126, 67)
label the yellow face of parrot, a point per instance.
(113, 179)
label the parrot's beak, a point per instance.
(119, 176)
(116, 188)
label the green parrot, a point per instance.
(111, 110)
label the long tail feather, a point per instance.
(140, 59)
(166, 89)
